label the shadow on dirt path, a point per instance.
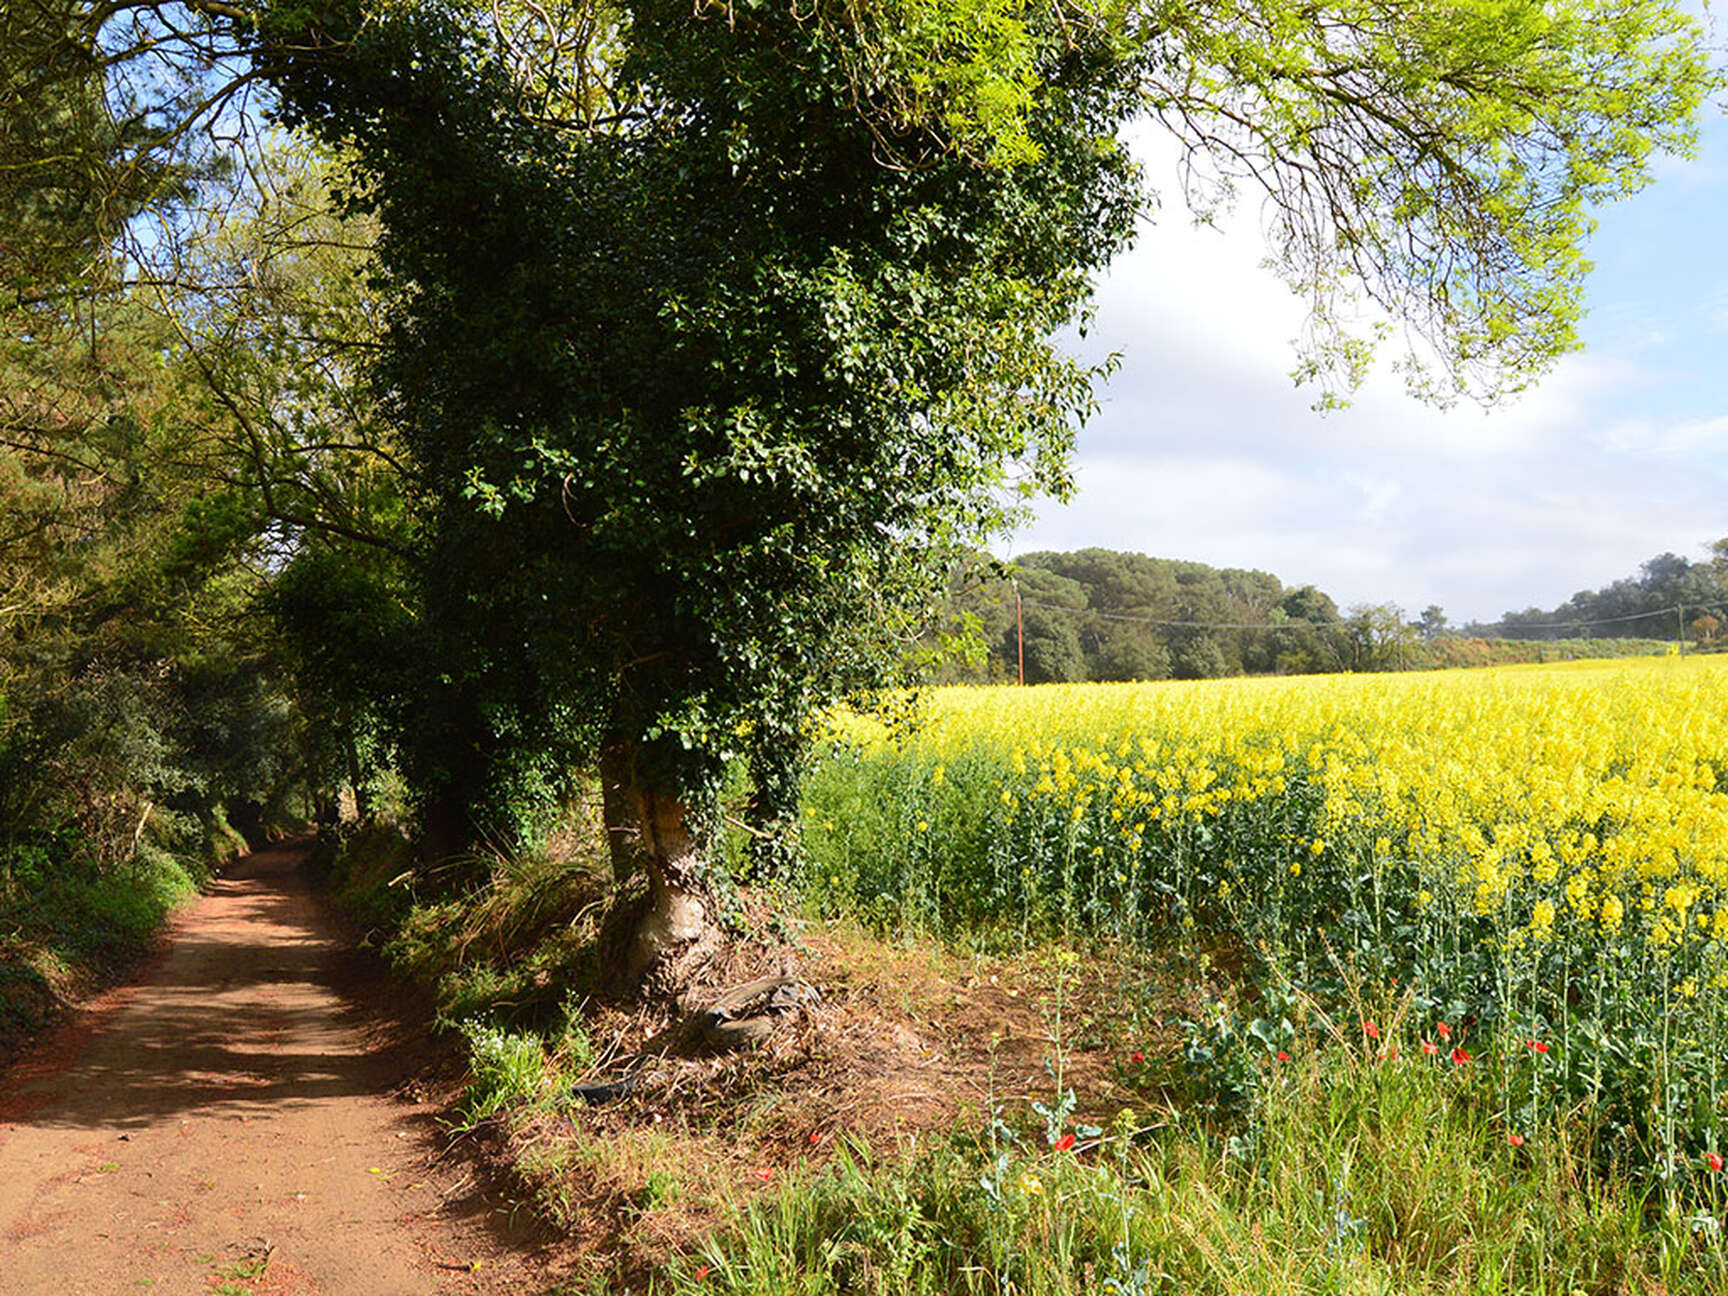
(227, 1123)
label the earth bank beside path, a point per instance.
(227, 1123)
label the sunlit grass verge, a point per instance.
(1358, 1176)
(69, 924)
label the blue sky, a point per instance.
(1204, 449)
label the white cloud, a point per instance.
(1204, 449)
(1685, 440)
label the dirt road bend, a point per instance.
(228, 1124)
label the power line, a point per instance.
(1630, 616)
(1297, 623)
(1184, 625)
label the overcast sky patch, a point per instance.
(1204, 449)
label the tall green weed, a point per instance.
(1359, 1175)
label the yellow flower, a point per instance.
(1031, 1184)
(1613, 912)
(1542, 920)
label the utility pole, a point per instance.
(1019, 632)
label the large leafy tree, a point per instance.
(137, 693)
(705, 378)
(714, 331)
(109, 109)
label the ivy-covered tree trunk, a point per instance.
(678, 934)
(353, 767)
(661, 941)
(618, 813)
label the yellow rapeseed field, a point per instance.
(1542, 851)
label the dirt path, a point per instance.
(227, 1125)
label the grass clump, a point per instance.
(1360, 1175)
(512, 947)
(69, 922)
(505, 1069)
(516, 1070)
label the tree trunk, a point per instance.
(677, 934)
(356, 776)
(671, 936)
(618, 811)
(447, 831)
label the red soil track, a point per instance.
(226, 1124)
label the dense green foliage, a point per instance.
(75, 164)
(1094, 614)
(131, 685)
(1103, 615)
(1671, 598)
(671, 389)
(71, 922)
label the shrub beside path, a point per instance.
(233, 1122)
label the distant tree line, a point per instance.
(1100, 614)
(1670, 598)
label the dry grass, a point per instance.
(909, 1042)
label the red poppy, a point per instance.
(1539, 1046)
(701, 1273)
(1459, 1057)
(1136, 1057)
(1065, 1142)
(1516, 1140)
(1370, 1030)
(765, 1174)
(1430, 1047)
(1713, 1160)
(1283, 1056)
(815, 1137)
(1389, 1053)
(1445, 1031)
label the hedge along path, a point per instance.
(228, 1124)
